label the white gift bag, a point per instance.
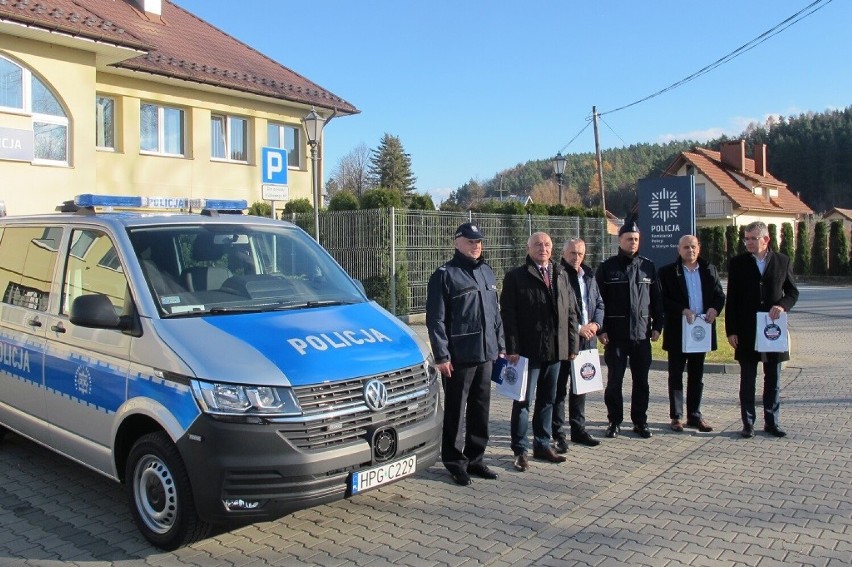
(511, 379)
(771, 336)
(696, 336)
(586, 372)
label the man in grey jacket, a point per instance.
(466, 334)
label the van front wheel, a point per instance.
(160, 494)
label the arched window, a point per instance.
(22, 91)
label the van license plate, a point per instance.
(388, 472)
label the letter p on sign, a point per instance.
(274, 166)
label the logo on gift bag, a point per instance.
(772, 332)
(587, 371)
(698, 333)
(510, 375)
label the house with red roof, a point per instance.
(142, 97)
(732, 189)
(844, 215)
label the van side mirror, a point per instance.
(96, 311)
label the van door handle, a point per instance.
(58, 328)
(34, 322)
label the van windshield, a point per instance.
(230, 268)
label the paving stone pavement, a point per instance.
(687, 498)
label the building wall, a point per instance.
(75, 81)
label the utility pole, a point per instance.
(598, 159)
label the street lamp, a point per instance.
(559, 170)
(313, 124)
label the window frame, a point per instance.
(294, 155)
(162, 134)
(226, 141)
(101, 124)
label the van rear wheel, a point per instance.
(160, 493)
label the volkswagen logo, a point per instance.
(375, 395)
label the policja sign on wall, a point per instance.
(666, 212)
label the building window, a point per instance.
(105, 122)
(21, 90)
(289, 138)
(229, 137)
(161, 130)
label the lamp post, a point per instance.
(559, 170)
(313, 124)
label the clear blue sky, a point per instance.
(472, 88)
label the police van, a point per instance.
(222, 366)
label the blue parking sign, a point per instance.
(274, 166)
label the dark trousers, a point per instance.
(771, 391)
(576, 405)
(467, 395)
(617, 354)
(541, 385)
(694, 363)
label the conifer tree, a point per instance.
(773, 237)
(741, 244)
(802, 263)
(788, 246)
(731, 241)
(819, 260)
(390, 167)
(838, 250)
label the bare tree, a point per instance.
(352, 172)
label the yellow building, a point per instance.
(140, 97)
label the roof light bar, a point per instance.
(166, 203)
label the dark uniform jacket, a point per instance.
(633, 306)
(749, 292)
(594, 302)
(462, 314)
(540, 323)
(676, 299)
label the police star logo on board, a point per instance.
(664, 205)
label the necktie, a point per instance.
(545, 276)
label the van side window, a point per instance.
(27, 259)
(93, 268)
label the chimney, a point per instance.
(154, 7)
(760, 159)
(733, 154)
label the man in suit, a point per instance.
(540, 323)
(691, 288)
(759, 280)
(590, 311)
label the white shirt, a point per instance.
(693, 289)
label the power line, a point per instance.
(771, 32)
(577, 135)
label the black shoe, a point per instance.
(461, 478)
(613, 430)
(748, 431)
(521, 463)
(583, 438)
(561, 446)
(481, 471)
(643, 431)
(775, 430)
(548, 455)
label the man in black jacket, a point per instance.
(691, 289)
(466, 334)
(540, 322)
(759, 280)
(633, 314)
(590, 312)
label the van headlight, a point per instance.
(431, 370)
(241, 400)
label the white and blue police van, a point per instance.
(223, 367)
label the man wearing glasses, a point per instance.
(759, 280)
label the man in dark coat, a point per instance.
(540, 322)
(691, 289)
(466, 334)
(590, 312)
(633, 317)
(759, 280)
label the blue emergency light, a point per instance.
(165, 203)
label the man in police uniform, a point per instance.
(633, 314)
(466, 333)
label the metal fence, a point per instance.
(394, 251)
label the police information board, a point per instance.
(666, 212)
